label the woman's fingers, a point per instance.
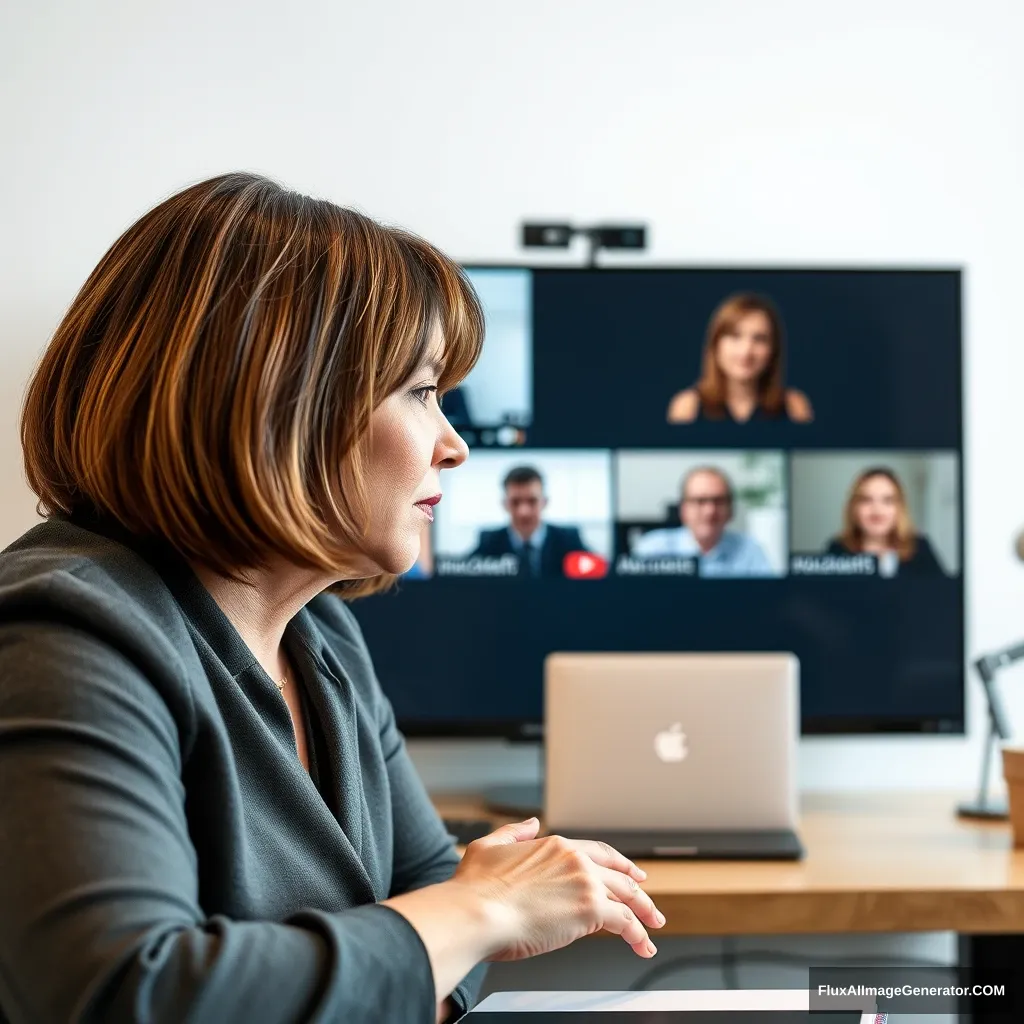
(628, 892)
(619, 919)
(627, 907)
(608, 857)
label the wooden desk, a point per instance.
(876, 862)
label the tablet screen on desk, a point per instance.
(717, 1006)
(675, 1016)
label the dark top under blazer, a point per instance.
(164, 856)
(923, 562)
(759, 415)
(559, 541)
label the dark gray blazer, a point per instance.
(164, 856)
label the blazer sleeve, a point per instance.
(484, 545)
(925, 560)
(574, 540)
(101, 920)
(424, 852)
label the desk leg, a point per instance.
(992, 960)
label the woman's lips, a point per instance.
(426, 506)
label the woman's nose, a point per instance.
(451, 449)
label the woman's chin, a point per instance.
(399, 561)
(745, 378)
(383, 562)
(393, 554)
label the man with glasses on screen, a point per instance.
(705, 510)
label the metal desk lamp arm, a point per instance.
(987, 668)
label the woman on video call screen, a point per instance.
(742, 370)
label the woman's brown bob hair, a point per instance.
(724, 320)
(213, 379)
(903, 539)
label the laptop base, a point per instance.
(782, 844)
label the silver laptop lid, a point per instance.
(671, 741)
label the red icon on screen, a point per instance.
(582, 565)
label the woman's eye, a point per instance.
(423, 394)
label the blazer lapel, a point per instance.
(339, 753)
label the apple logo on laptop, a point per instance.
(670, 744)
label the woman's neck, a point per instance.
(261, 612)
(741, 398)
(875, 545)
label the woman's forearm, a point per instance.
(458, 927)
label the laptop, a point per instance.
(674, 755)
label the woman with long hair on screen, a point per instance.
(742, 369)
(877, 521)
(208, 811)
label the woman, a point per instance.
(877, 521)
(208, 813)
(423, 567)
(741, 378)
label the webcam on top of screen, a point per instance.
(559, 235)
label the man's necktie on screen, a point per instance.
(526, 562)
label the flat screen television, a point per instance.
(696, 459)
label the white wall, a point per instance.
(742, 132)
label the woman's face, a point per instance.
(743, 353)
(409, 443)
(876, 508)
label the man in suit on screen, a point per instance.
(539, 546)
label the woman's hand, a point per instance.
(546, 893)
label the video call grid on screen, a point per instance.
(659, 522)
